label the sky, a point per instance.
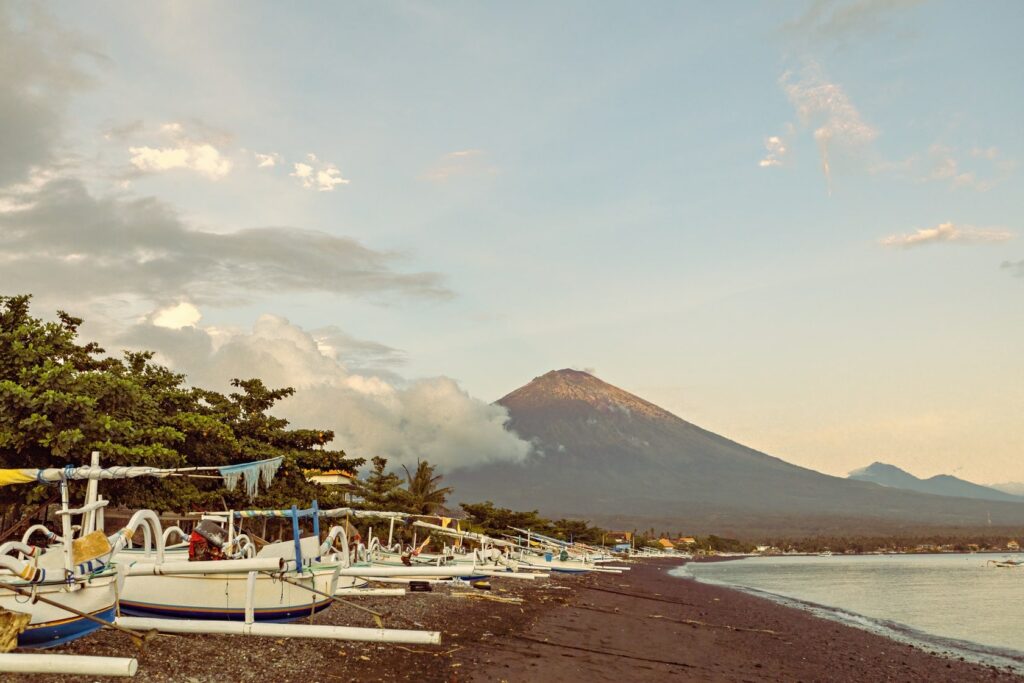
(796, 224)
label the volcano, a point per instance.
(606, 455)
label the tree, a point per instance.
(381, 489)
(422, 493)
(60, 400)
(489, 519)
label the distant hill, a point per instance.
(1015, 488)
(607, 455)
(940, 485)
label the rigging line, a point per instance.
(607, 653)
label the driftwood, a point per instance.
(694, 622)
(492, 598)
(607, 653)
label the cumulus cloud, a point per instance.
(318, 175)
(61, 239)
(947, 232)
(825, 107)
(978, 169)
(459, 163)
(177, 316)
(433, 418)
(776, 150)
(180, 150)
(267, 160)
(40, 68)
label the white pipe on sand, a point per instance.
(32, 663)
(379, 635)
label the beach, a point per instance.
(636, 626)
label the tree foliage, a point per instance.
(61, 399)
(380, 489)
(487, 518)
(423, 493)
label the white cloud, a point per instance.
(370, 413)
(204, 159)
(463, 162)
(978, 169)
(827, 108)
(318, 175)
(947, 232)
(183, 152)
(775, 151)
(176, 317)
(267, 160)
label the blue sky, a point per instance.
(640, 190)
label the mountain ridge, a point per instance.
(885, 474)
(617, 459)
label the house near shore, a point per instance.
(617, 537)
(341, 479)
(685, 540)
(1013, 545)
(665, 544)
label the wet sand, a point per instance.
(641, 625)
(684, 630)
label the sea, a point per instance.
(958, 605)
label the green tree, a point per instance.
(487, 518)
(423, 493)
(61, 399)
(380, 490)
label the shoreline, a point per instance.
(636, 626)
(688, 630)
(942, 646)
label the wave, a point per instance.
(954, 648)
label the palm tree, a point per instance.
(422, 492)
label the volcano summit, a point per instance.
(612, 457)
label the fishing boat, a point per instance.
(71, 588)
(1006, 563)
(300, 584)
(539, 551)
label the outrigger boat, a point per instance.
(379, 562)
(70, 589)
(552, 554)
(229, 595)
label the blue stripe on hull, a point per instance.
(142, 609)
(43, 636)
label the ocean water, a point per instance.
(953, 604)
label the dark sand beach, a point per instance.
(641, 625)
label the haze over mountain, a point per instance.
(1015, 488)
(607, 455)
(941, 484)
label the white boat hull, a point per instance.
(223, 596)
(50, 625)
